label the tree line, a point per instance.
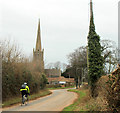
(78, 60)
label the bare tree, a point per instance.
(109, 52)
(57, 65)
(78, 57)
(10, 52)
(78, 64)
(50, 66)
(64, 66)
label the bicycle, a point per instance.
(24, 100)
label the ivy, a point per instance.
(95, 58)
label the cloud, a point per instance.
(64, 24)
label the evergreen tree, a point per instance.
(95, 58)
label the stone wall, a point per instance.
(53, 73)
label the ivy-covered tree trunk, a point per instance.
(95, 59)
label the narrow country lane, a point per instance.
(54, 102)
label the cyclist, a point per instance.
(25, 90)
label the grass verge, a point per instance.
(17, 100)
(85, 103)
(75, 105)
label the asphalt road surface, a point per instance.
(58, 100)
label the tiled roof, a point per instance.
(61, 79)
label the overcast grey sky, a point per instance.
(64, 24)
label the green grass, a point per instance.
(53, 88)
(40, 94)
(85, 103)
(17, 100)
(74, 106)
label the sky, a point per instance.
(64, 24)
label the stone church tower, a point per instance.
(38, 52)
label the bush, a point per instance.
(43, 81)
(109, 92)
(13, 76)
(113, 96)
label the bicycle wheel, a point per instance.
(26, 100)
(23, 99)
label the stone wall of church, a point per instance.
(38, 60)
(52, 73)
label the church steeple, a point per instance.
(38, 41)
(38, 53)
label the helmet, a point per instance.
(25, 83)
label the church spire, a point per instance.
(38, 42)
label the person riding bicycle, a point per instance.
(25, 90)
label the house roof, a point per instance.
(61, 79)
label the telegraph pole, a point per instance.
(91, 14)
(118, 34)
(91, 9)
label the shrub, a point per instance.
(113, 96)
(13, 76)
(109, 92)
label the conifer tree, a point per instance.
(95, 58)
